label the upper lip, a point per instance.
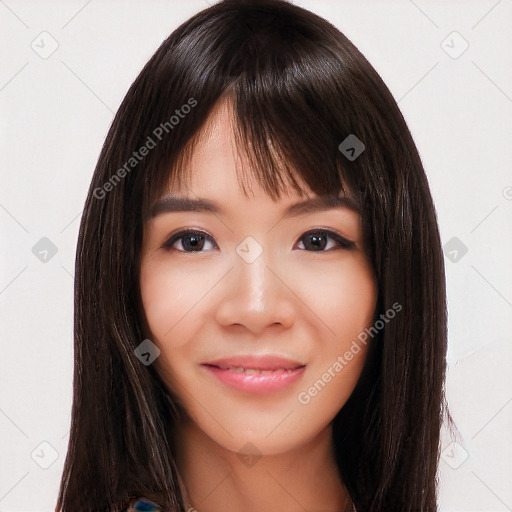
(257, 362)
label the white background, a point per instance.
(55, 113)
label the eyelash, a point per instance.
(340, 240)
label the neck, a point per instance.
(217, 479)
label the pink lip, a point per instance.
(278, 373)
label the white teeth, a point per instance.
(253, 371)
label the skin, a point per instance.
(305, 304)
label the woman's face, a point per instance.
(255, 319)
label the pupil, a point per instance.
(317, 241)
(195, 241)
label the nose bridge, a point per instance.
(253, 275)
(254, 296)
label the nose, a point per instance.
(256, 295)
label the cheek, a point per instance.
(343, 297)
(171, 300)
(169, 296)
(345, 301)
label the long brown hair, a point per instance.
(299, 88)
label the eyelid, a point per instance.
(180, 233)
(342, 241)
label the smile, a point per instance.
(257, 374)
(252, 371)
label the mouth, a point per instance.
(256, 373)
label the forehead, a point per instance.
(215, 175)
(216, 163)
(213, 167)
(224, 163)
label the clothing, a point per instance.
(142, 505)
(145, 505)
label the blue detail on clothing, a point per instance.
(143, 505)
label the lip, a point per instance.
(257, 362)
(256, 373)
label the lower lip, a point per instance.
(256, 383)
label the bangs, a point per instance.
(291, 101)
(261, 153)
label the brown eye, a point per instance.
(190, 241)
(316, 241)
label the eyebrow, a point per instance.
(171, 204)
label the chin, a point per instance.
(250, 435)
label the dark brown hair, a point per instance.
(298, 87)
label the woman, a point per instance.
(221, 362)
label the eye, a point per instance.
(317, 240)
(190, 241)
